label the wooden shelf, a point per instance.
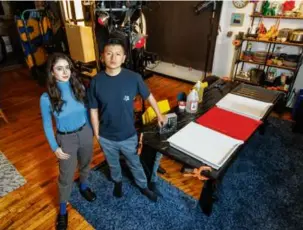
(274, 42)
(275, 17)
(252, 62)
(283, 67)
(277, 89)
(275, 66)
(245, 81)
(270, 48)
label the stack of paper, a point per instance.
(209, 146)
(244, 106)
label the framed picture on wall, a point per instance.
(237, 19)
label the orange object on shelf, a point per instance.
(236, 42)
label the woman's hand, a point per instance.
(61, 155)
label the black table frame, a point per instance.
(154, 142)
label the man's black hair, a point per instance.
(115, 41)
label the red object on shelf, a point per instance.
(229, 123)
(288, 5)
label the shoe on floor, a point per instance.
(118, 189)
(62, 221)
(149, 194)
(88, 194)
(153, 187)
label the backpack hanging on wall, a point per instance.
(298, 113)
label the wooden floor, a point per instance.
(34, 206)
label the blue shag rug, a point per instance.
(263, 189)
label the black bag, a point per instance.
(298, 126)
(2, 51)
(257, 76)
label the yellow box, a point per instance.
(150, 114)
(81, 43)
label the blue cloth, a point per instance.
(113, 96)
(128, 148)
(73, 114)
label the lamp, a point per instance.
(138, 40)
(103, 18)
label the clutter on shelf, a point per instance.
(276, 67)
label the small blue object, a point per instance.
(181, 96)
(83, 186)
(62, 208)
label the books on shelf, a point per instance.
(244, 106)
(207, 145)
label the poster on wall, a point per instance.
(237, 19)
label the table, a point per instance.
(154, 142)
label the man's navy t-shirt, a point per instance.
(113, 96)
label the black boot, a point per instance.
(153, 187)
(118, 189)
(62, 221)
(88, 194)
(149, 194)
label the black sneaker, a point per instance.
(88, 194)
(62, 221)
(149, 194)
(153, 187)
(118, 189)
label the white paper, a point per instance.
(211, 147)
(244, 106)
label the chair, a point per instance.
(2, 115)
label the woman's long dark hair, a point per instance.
(53, 91)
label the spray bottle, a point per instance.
(192, 102)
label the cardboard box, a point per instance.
(81, 43)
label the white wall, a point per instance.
(224, 49)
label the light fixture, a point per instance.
(138, 40)
(103, 18)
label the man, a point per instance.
(111, 96)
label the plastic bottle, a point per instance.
(192, 102)
(198, 86)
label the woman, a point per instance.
(64, 100)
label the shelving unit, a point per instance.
(274, 17)
(239, 63)
(264, 63)
(274, 42)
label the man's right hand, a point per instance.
(61, 155)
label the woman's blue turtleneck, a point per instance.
(73, 114)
